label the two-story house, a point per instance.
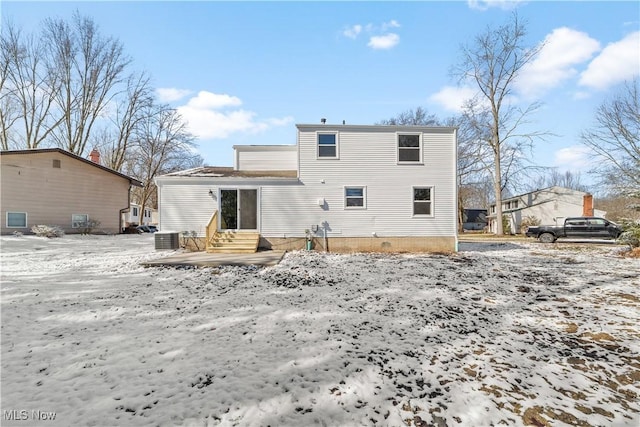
(346, 187)
(550, 206)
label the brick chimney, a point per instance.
(94, 156)
(587, 205)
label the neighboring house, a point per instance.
(133, 216)
(55, 187)
(474, 219)
(350, 188)
(549, 205)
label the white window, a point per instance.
(135, 211)
(79, 220)
(409, 148)
(423, 201)
(355, 197)
(16, 219)
(328, 145)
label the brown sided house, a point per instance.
(52, 186)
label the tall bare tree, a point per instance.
(614, 139)
(162, 145)
(27, 90)
(89, 68)
(493, 62)
(114, 141)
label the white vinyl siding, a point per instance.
(16, 219)
(257, 158)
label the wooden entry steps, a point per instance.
(225, 242)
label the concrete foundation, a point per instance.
(363, 244)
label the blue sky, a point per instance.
(247, 72)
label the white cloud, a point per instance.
(386, 41)
(170, 94)
(563, 49)
(617, 62)
(574, 158)
(353, 31)
(211, 116)
(452, 98)
(206, 100)
(488, 4)
(391, 24)
(379, 35)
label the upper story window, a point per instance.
(409, 148)
(328, 145)
(423, 201)
(355, 197)
(16, 219)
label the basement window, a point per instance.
(16, 220)
(79, 220)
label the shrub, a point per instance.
(631, 235)
(529, 221)
(47, 231)
(91, 225)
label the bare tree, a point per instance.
(27, 90)
(162, 145)
(417, 117)
(89, 68)
(493, 61)
(614, 140)
(115, 140)
(567, 179)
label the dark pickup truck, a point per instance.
(585, 227)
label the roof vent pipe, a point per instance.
(323, 120)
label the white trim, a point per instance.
(420, 149)
(26, 220)
(337, 136)
(431, 200)
(364, 197)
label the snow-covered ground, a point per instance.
(497, 334)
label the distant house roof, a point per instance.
(132, 181)
(229, 172)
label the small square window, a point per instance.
(16, 219)
(355, 197)
(56, 163)
(422, 201)
(409, 148)
(328, 145)
(79, 220)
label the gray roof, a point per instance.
(229, 172)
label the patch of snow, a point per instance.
(495, 334)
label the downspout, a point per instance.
(122, 211)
